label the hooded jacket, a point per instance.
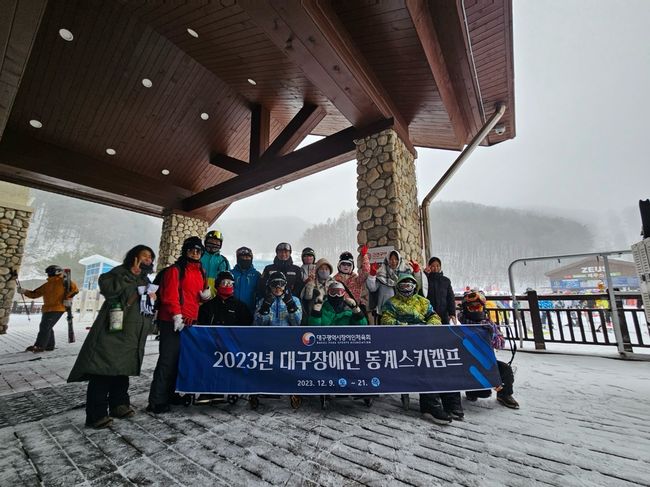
(384, 282)
(53, 293)
(414, 310)
(316, 290)
(246, 281)
(292, 272)
(213, 264)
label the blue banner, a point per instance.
(335, 360)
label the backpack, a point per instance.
(158, 280)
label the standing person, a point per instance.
(212, 261)
(382, 278)
(246, 278)
(473, 312)
(337, 309)
(110, 355)
(308, 259)
(55, 300)
(284, 264)
(182, 290)
(316, 287)
(354, 282)
(225, 309)
(407, 307)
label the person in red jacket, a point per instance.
(182, 289)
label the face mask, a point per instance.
(323, 275)
(225, 291)
(244, 263)
(146, 268)
(406, 289)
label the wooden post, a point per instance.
(538, 331)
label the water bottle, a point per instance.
(116, 317)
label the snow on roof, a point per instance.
(95, 258)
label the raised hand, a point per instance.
(364, 250)
(374, 267)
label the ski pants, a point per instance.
(507, 382)
(45, 337)
(104, 392)
(164, 377)
(449, 401)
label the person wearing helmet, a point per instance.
(225, 309)
(246, 278)
(212, 261)
(407, 307)
(339, 308)
(278, 307)
(182, 290)
(473, 312)
(308, 263)
(55, 300)
(355, 283)
(316, 287)
(284, 264)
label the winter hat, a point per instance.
(346, 258)
(192, 243)
(54, 270)
(224, 275)
(276, 279)
(308, 251)
(244, 252)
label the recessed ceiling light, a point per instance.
(278, 187)
(204, 116)
(111, 152)
(146, 82)
(192, 32)
(36, 124)
(66, 34)
(252, 81)
(165, 172)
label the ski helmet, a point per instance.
(283, 246)
(473, 305)
(54, 270)
(215, 234)
(244, 252)
(336, 289)
(308, 251)
(276, 279)
(406, 285)
(192, 243)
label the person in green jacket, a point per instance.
(109, 354)
(338, 309)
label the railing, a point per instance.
(584, 319)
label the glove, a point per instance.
(206, 294)
(350, 302)
(316, 310)
(415, 266)
(20, 290)
(178, 322)
(373, 269)
(364, 250)
(67, 303)
(265, 307)
(288, 300)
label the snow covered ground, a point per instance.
(583, 421)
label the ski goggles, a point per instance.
(277, 283)
(336, 292)
(346, 263)
(283, 246)
(198, 248)
(244, 252)
(407, 287)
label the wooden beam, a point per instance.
(325, 153)
(423, 22)
(31, 162)
(300, 126)
(19, 23)
(229, 163)
(260, 132)
(310, 34)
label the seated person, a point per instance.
(278, 307)
(338, 309)
(224, 308)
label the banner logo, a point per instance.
(308, 339)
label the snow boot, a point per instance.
(159, 408)
(508, 401)
(452, 404)
(104, 422)
(122, 411)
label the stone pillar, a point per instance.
(388, 211)
(175, 229)
(15, 215)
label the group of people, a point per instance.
(200, 288)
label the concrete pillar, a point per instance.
(175, 229)
(387, 194)
(15, 215)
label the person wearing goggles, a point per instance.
(338, 309)
(212, 261)
(355, 283)
(246, 278)
(284, 264)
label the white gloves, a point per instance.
(178, 322)
(67, 303)
(206, 294)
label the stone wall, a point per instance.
(175, 229)
(388, 212)
(13, 234)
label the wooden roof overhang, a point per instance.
(434, 71)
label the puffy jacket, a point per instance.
(441, 295)
(292, 272)
(356, 282)
(121, 353)
(279, 316)
(414, 310)
(246, 282)
(213, 264)
(228, 312)
(328, 316)
(316, 290)
(53, 293)
(191, 286)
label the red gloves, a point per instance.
(415, 266)
(364, 251)
(373, 268)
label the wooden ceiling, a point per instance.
(434, 71)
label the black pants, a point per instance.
(507, 383)
(164, 377)
(105, 391)
(45, 337)
(449, 401)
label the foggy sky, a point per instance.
(582, 75)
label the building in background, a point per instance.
(89, 300)
(585, 275)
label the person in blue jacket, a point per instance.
(246, 278)
(278, 307)
(212, 261)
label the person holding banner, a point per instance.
(338, 309)
(182, 289)
(278, 307)
(225, 309)
(409, 308)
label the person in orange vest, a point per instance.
(55, 300)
